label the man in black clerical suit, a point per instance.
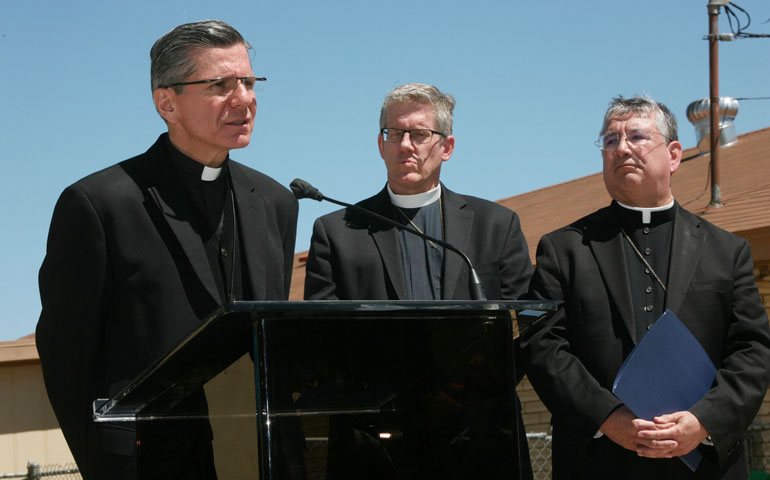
(616, 270)
(353, 257)
(140, 253)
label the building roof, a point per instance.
(19, 351)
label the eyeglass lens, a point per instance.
(228, 84)
(418, 136)
(634, 138)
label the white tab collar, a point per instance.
(416, 200)
(647, 212)
(210, 174)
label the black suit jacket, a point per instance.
(126, 278)
(353, 257)
(574, 359)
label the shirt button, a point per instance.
(649, 326)
(646, 230)
(646, 270)
(647, 251)
(648, 308)
(224, 252)
(648, 289)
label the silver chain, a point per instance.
(641, 257)
(441, 214)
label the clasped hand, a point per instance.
(666, 436)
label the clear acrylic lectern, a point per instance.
(344, 390)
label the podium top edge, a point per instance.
(389, 305)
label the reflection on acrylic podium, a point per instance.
(345, 390)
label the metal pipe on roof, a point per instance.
(713, 9)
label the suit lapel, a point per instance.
(386, 241)
(686, 249)
(250, 212)
(457, 225)
(607, 247)
(171, 199)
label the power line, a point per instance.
(739, 31)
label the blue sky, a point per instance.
(531, 79)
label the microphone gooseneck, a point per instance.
(303, 189)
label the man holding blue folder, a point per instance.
(617, 270)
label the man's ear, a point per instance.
(165, 103)
(448, 146)
(381, 145)
(675, 151)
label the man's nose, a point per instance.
(406, 142)
(624, 148)
(242, 95)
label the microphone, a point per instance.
(303, 189)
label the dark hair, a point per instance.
(171, 54)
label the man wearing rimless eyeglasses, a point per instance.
(141, 252)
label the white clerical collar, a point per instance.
(416, 200)
(647, 212)
(210, 174)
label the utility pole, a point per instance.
(714, 7)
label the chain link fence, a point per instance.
(540, 455)
(47, 472)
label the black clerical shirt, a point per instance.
(653, 242)
(422, 260)
(213, 218)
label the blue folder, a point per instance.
(668, 371)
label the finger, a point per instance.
(660, 433)
(640, 424)
(668, 418)
(657, 449)
(652, 444)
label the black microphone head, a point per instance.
(302, 189)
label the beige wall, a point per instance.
(29, 431)
(28, 428)
(762, 274)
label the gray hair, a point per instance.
(443, 103)
(171, 54)
(665, 120)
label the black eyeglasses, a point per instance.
(226, 85)
(418, 136)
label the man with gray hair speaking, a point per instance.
(353, 257)
(617, 270)
(141, 252)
